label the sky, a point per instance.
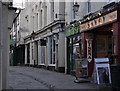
(19, 3)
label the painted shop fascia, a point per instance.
(72, 31)
(45, 30)
(100, 21)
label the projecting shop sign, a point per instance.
(89, 50)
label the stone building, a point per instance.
(52, 33)
(95, 34)
(42, 28)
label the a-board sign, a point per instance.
(102, 70)
(81, 67)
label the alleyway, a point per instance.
(35, 78)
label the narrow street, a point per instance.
(36, 78)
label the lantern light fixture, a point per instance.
(76, 7)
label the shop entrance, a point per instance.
(74, 48)
(103, 43)
(28, 53)
(103, 49)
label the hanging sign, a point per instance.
(89, 50)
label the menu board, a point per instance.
(81, 67)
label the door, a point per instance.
(28, 53)
(101, 42)
(103, 45)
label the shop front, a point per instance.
(74, 48)
(101, 41)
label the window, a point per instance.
(73, 13)
(33, 23)
(88, 7)
(51, 51)
(37, 22)
(52, 10)
(45, 15)
(41, 20)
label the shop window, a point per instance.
(76, 53)
(77, 50)
(52, 61)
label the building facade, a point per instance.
(42, 28)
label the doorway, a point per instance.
(28, 53)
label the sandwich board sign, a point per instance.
(102, 70)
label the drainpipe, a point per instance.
(0, 49)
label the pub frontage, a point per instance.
(99, 34)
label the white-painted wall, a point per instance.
(5, 16)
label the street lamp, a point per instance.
(76, 7)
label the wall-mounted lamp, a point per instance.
(76, 7)
(80, 22)
(112, 30)
(88, 18)
(73, 25)
(99, 14)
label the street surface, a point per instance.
(21, 77)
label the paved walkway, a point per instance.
(36, 78)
